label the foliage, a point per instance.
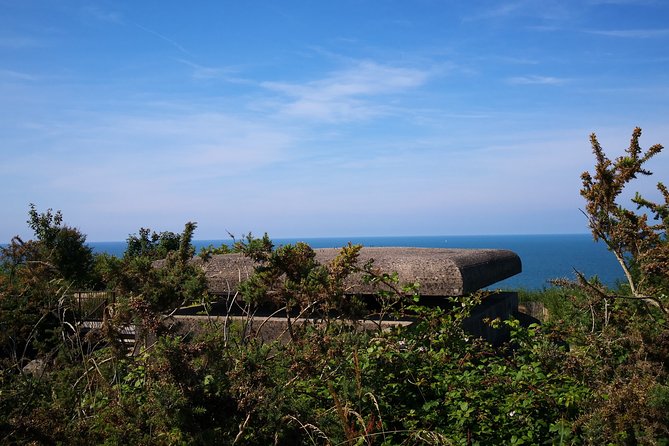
(621, 336)
(151, 244)
(289, 278)
(641, 248)
(35, 277)
(135, 277)
(207, 251)
(61, 248)
(333, 383)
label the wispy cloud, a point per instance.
(632, 33)
(502, 10)
(19, 42)
(544, 28)
(343, 95)
(16, 75)
(623, 2)
(543, 9)
(511, 60)
(117, 18)
(536, 80)
(226, 74)
(172, 42)
(177, 159)
(103, 15)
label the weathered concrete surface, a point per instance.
(439, 271)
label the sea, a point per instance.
(543, 257)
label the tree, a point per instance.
(35, 276)
(155, 245)
(61, 247)
(622, 351)
(641, 247)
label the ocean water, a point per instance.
(544, 257)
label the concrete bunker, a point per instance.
(441, 273)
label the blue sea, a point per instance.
(544, 257)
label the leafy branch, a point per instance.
(639, 246)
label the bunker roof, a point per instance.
(439, 271)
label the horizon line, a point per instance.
(324, 237)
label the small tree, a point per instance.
(155, 245)
(62, 247)
(35, 276)
(622, 352)
(641, 247)
(291, 279)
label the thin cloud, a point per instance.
(654, 91)
(500, 11)
(536, 80)
(103, 15)
(20, 42)
(172, 157)
(16, 75)
(343, 94)
(164, 38)
(117, 19)
(544, 28)
(547, 10)
(623, 2)
(222, 73)
(509, 60)
(632, 33)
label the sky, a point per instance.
(314, 118)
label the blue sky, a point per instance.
(310, 118)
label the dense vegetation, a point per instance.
(595, 372)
